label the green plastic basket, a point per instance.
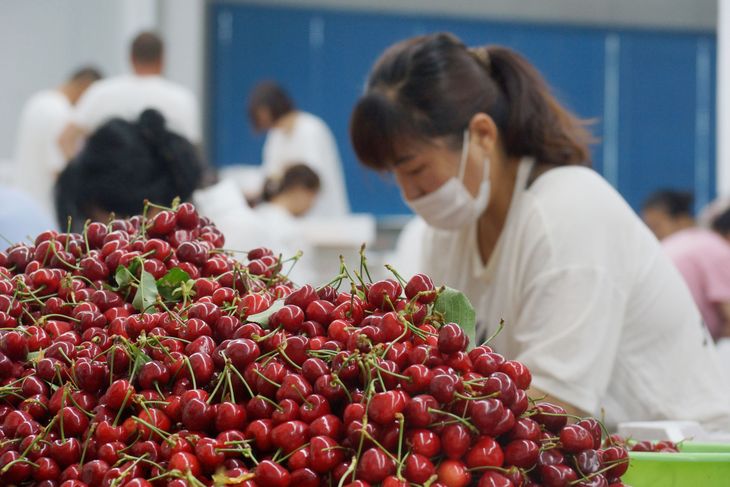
(696, 465)
(695, 447)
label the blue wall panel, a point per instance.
(658, 132)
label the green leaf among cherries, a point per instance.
(147, 293)
(263, 317)
(172, 285)
(456, 308)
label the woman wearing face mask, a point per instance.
(496, 166)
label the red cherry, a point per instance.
(187, 216)
(384, 406)
(374, 466)
(443, 387)
(424, 442)
(492, 478)
(229, 416)
(618, 458)
(270, 474)
(451, 339)
(47, 469)
(290, 435)
(418, 469)
(575, 438)
(521, 453)
(185, 462)
(328, 425)
(325, 454)
(453, 473)
(304, 477)
(383, 294)
(485, 453)
(594, 428)
(553, 417)
(588, 462)
(206, 450)
(421, 287)
(455, 440)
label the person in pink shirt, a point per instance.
(701, 255)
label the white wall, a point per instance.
(677, 14)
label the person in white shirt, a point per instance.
(127, 96)
(38, 158)
(272, 223)
(294, 135)
(495, 165)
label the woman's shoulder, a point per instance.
(311, 124)
(577, 192)
(582, 219)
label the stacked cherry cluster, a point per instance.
(140, 354)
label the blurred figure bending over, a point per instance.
(123, 164)
(292, 194)
(668, 211)
(38, 157)
(129, 95)
(294, 135)
(701, 255)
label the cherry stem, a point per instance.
(456, 417)
(500, 327)
(401, 428)
(350, 470)
(235, 371)
(260, 374)
(89, 433)
(286, 357)
(364, 263)
(163, 434)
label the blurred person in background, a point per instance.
(123, 164)
(128, 95)
(272, 223)
(292, 194)
(294, 135)
(38, 157)
(668, 211)
(493, 163)
(702, 255)
(21, 217)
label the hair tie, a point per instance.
(481, 54)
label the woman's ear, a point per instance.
(484, 133)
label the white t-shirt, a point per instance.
(311, 142)
(127, 96)
(38, 157)
(591, 303)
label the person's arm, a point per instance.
(70, 140)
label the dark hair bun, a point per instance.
(152, 125)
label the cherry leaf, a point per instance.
(456, 308)
(263, 317)
(167, 284)
(146, 295)
(123, 277)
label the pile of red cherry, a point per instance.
(140, 354)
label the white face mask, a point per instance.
(451, 206)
